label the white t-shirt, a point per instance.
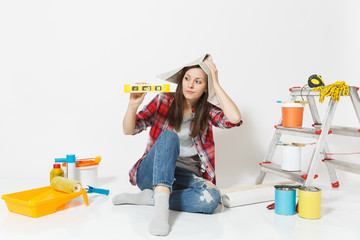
(188, 157)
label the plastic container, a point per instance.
(290, 158)
(285, 197)
(310, 202)
(292, 114)
(56, 171)
(40, 201)
(71, 160)
(63, 166)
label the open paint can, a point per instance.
(290, 158)
(310, 202)
(285, 200)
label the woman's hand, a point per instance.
(130, 116)
(230, 109)
(137, 98)
(213, 70)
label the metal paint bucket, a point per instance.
(285, 200)
(310, 202)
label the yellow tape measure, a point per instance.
(128, 88)
(315, 80)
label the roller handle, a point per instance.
(97, 190)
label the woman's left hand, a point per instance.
(213, 69)
(230, 109)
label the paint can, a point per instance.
(310, 202)
(87, 173)
(290, 158)
(285, 200)
(292, 115)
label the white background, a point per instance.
(63, 65)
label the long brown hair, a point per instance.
(202, 108)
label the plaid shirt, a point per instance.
(154, 115)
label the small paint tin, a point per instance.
(310, 202)
(285, 200)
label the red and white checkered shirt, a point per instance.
(154, 115)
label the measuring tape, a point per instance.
(128, 88)
(315, 80)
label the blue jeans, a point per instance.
(189, 192)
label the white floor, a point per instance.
(101, 220)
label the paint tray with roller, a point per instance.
(42, 201)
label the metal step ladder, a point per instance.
(319, 131)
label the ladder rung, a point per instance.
(307, 91)
(338, 130)
(275, 168)
(344, 166)
(301, 131)
(341, 130)
(345, 131)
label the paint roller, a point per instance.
(234, 197)
(69, 186)
(65, 185)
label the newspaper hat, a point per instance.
(175, 76)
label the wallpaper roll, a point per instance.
(234, 197)
(65, 185)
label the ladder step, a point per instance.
(344, 166)
(345, 131)
(275, 168)
(300, 131)
(307, 91)
(314, 132)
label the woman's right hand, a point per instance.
(130, 116)
(137, 98)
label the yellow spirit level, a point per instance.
(146, 88)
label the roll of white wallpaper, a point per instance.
(234, 197)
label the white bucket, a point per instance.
(87, 175)
(290, 158)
